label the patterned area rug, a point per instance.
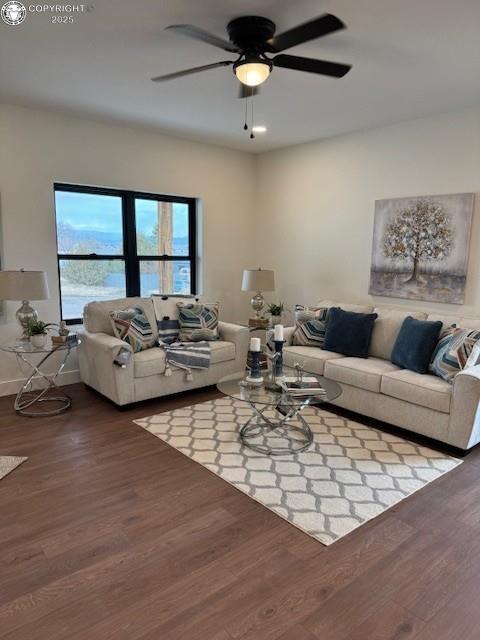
(351, 474)
(9, 463)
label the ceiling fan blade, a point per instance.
(187, 72)
(310, 65)
(304, 32)
(204, 36)
(245, 91)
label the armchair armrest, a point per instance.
(464, 427)
(240, 336)
(105, 343)
(96, 355)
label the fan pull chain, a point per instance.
(252, 135)
(245, 126)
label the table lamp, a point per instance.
(258, 280)
(25, 286)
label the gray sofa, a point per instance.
(375, 387)
(143, 378)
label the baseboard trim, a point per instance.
(11, 387)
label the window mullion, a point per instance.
(132, 265)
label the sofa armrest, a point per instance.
(464, 427)
(287, 335)
(96, 354)
(239, 335)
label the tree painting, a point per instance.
(420, 247)
(419, 232)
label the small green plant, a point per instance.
(39, 328)
(276, 309)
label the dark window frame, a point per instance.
(130, 255)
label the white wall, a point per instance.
(310, 207)
(38, 148)
(315, 204)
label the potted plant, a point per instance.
(37, 330)
(276, 311)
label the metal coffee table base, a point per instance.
(298, 437)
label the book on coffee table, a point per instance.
(309, 386)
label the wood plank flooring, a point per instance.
(108, 533)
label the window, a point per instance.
(113, 244)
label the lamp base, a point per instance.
(25, 314)
(257, 303)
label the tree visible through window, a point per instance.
(113, 244)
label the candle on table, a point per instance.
(254, 344)
(278, 333)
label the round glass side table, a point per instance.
(49, 400)
(276, 427)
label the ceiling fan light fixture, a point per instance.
(252, 73)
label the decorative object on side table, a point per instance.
(276, 312)
(29, 400)
(258, 280)
(25, 286)
(38, 332)
(63, 333)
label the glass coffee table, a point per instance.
(276, 427)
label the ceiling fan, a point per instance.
(252, 38)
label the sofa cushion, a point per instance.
(386, 329)
(348, 332)
(312, 358)
(415, 344)
(97, 314)
(364, 373)
(422, 389)
(221, 351)
(152, 361)
(149, 363)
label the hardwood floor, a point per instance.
(108, 533)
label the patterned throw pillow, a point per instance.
(456, 350)
(442, 365)
(310, 325)
(198, 321)
(168, 330)
(133, 326)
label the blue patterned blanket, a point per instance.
(187, 356)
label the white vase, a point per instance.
(38, 341)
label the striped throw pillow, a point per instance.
(310, 325)
(198, 321)
(133, 326)
(456, 350)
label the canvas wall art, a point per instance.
(420, 247)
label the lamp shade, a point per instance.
(23, 285)
(258, 280)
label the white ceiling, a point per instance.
(410, 58)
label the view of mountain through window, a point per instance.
(111, 246)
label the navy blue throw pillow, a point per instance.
(349, 333)
(415, 344)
